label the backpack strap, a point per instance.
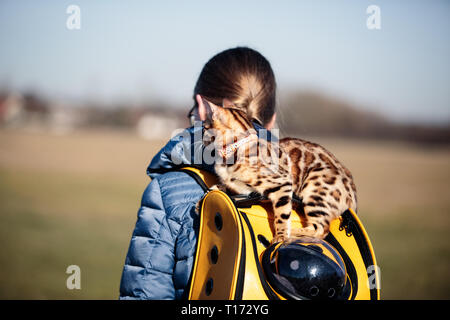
(204, 178)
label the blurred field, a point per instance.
(73, 199)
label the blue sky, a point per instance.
(137, 50)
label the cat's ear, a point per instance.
(206, 109)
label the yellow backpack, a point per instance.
(234, 234)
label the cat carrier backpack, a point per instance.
(235, 261)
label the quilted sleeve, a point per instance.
(150, 261)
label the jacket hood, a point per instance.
(186, 149)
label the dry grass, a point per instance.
(73, 200)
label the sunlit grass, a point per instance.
(83, 225)
(73, 200)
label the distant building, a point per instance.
(64, 118)
(33, 113)
(12, 109)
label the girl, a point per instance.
(162, 249)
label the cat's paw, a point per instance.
(220, 187)
(214, 187)
(278, 238)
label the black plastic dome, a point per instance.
(305, 269)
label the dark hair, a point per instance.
(243, 76)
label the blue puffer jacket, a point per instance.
(162, 249)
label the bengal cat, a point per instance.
(295, 166)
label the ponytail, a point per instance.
(243, 76)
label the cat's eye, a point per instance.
(191, 112)
(191, 115)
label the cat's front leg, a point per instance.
(282, 207)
